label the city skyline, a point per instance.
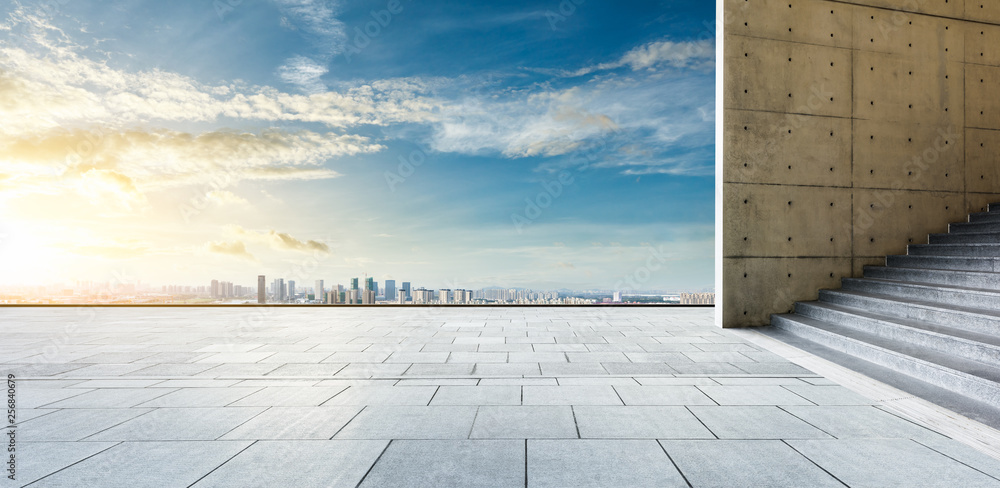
(275, 136)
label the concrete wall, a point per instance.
(850, 129)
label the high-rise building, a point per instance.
(354, 283)
(291, 290)
(617, 297)
(405, 290)
(368, 297)
(278, 290)
(390, 290)
(319, 294)
(370, 284)
(444, 295)
(215, 288)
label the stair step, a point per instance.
(963, 227)
(965, 238)
(944, 397)
(963, 376)
(960, 263)
(965, 250)
(955, 296)
(985, 217)
(970, 279)
(949, 340)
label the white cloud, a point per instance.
(281, 241)
(304, 72)
(235, 249)
(317, 18)
(225, 197)
(122, 166)
(685, 54)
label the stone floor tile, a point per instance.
(179, 424)
(289, 396)
(727, 463)
(200, 397)
(524, 422)
(295, 423)
(477, 395)
(890, 462)
(73, 424)
(146, 464)
(570, 395)
(337, 463)
(110, 398)
(753, 395)
(38, 459)
(383, 395)
(755, 422)
(860, 421)
(600, 463)
(438, 463)
(828, 395)
(610, 422)
(410, 422)
(663, 395)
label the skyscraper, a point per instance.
(215, 288)
(370, 284)
(291, 290)
(354, 283)
(405, 290)
(261, 285)
(319, 294)
(390, 290)
(278, 289)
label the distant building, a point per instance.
(354, 283)
(617, 297)
(278, 290)
(368, 297)
(423, 295)
(697, 298)
(291, 290)
(319, 294)
(215, 289)
(444, 295)
(390, 290)
(261, 289)
(405, 290)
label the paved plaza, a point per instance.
(439, 397)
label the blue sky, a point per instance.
(181, 142)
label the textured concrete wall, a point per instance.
(851, 129)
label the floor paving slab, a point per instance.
(436, 463)
(524, 422)
(145, 464)
(644, 422)
(295, 423)
(410, 422)
(756, 422)
(890, 462)
(39, 459)
(326, 463)
(729, 463)
(179, 424)
(600, 463)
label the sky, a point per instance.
(547, 145)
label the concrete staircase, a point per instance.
(931, 317)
